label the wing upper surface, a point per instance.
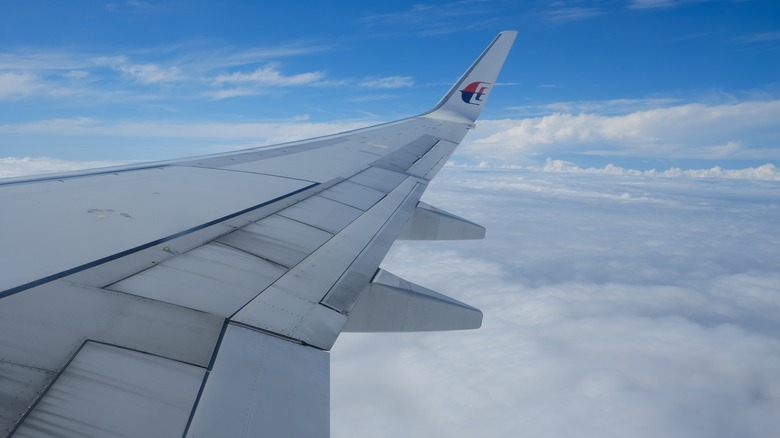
(176, 265)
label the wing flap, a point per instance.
(323, 213)
(218, 279)
(279, 239)
(392, 304)
(431, 223)
(263, 386)
(332, 274)
(106, 388)
(20, 386)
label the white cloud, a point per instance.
(764, 172)
(569, 14)
(387, 82)
(269, 76)
(142, 73)
(14, 85)
(761, 37)
(96, 78)
(614, 306)
(740, 130)
(150, 73)
(657, 4)
(22, 166)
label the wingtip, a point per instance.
(465, 100)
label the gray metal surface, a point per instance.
(112, 391)
(278, 239)
(319, 165)
(213, 278)
(382, 180)
(20, 386)
(396, 207)
(430, 164)
(285, 306)
(264, 386)
(392, 304)
(43, 327)
(107, 214)
(403, 158)
(431, 223)
(353, 194)
(323, 213)
(226, 159)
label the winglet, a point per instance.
(465, 100)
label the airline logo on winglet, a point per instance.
(474, 91)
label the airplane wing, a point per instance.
(199, 297)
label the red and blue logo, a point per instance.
(473, 92)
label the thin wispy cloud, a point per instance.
(230, 57)
(761, 37)
(220, 74)
(387, 82)
(150, 73)
(270, 75)
(51, 74)
(659, 4)
(15, 85)
(570, 14)
(435, 19)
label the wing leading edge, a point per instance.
(199, 297)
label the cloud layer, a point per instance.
(614, 306)
(766, 172)
(695, 131)
(745, 132)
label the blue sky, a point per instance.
(626, 168)
(150, 80)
